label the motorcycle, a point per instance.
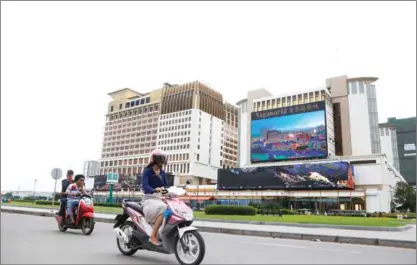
(83, 216)
(176, 233)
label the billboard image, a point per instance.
(289, 133)
(318, 176)
(124, 182)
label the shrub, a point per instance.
(28, 199)
(405, 215)
(230, 210)
(18, 200)
(45, 202)
(108, 204)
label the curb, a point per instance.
(346, 227)
(283, 235)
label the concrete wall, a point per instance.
(359, 124)
(386, 144)
(205, 145)
(242, 144)
(339, 92)
(253, 94)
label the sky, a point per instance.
(289, 122)
(60, 59)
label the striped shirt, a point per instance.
(72, 191)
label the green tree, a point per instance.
(130, 180)
(8, 195)
(405, 195)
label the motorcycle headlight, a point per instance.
(88, 202)
(187, 215)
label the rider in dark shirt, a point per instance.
(65, 183)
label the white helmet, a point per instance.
(158, 157)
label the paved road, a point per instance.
(36, 240)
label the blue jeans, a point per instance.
(71, 204)
(62, 206)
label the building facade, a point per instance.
(190, 122)
(352, 130)
(406, 146)
(131, 131)
(91, 168)
(389, 145)
(230, 136)
(259, 102)
(355, 115)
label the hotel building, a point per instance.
(189, 121)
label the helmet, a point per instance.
(158, 157)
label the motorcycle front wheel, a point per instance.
(87, 226)
(196, 248)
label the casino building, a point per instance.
(305, 146)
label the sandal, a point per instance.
(155, 244)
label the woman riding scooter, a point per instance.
(153, 180)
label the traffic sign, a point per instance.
(112, 178)
(56, 173)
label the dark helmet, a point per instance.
(158, 157)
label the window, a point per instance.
(361, 88)
(198, 157)
(111, 108)
(120, 106)
(354, 88)
(148, 100)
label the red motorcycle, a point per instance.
(83, 215)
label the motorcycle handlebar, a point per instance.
(163, 191)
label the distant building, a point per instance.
(389, 145)
(406, 145)
(190, 122)
(91, 168)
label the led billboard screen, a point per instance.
(289, 133)
(308, 176)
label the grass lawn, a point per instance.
(312, 219)
(307, 219)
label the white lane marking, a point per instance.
(290, 246)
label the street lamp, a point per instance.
(34, 187)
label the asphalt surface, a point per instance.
(36, 240)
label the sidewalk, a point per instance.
(404, 239)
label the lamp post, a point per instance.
(34, 187)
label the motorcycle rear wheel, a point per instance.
(189, 237)
(125, 250)
(62, 227)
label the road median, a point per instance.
(259, 231)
